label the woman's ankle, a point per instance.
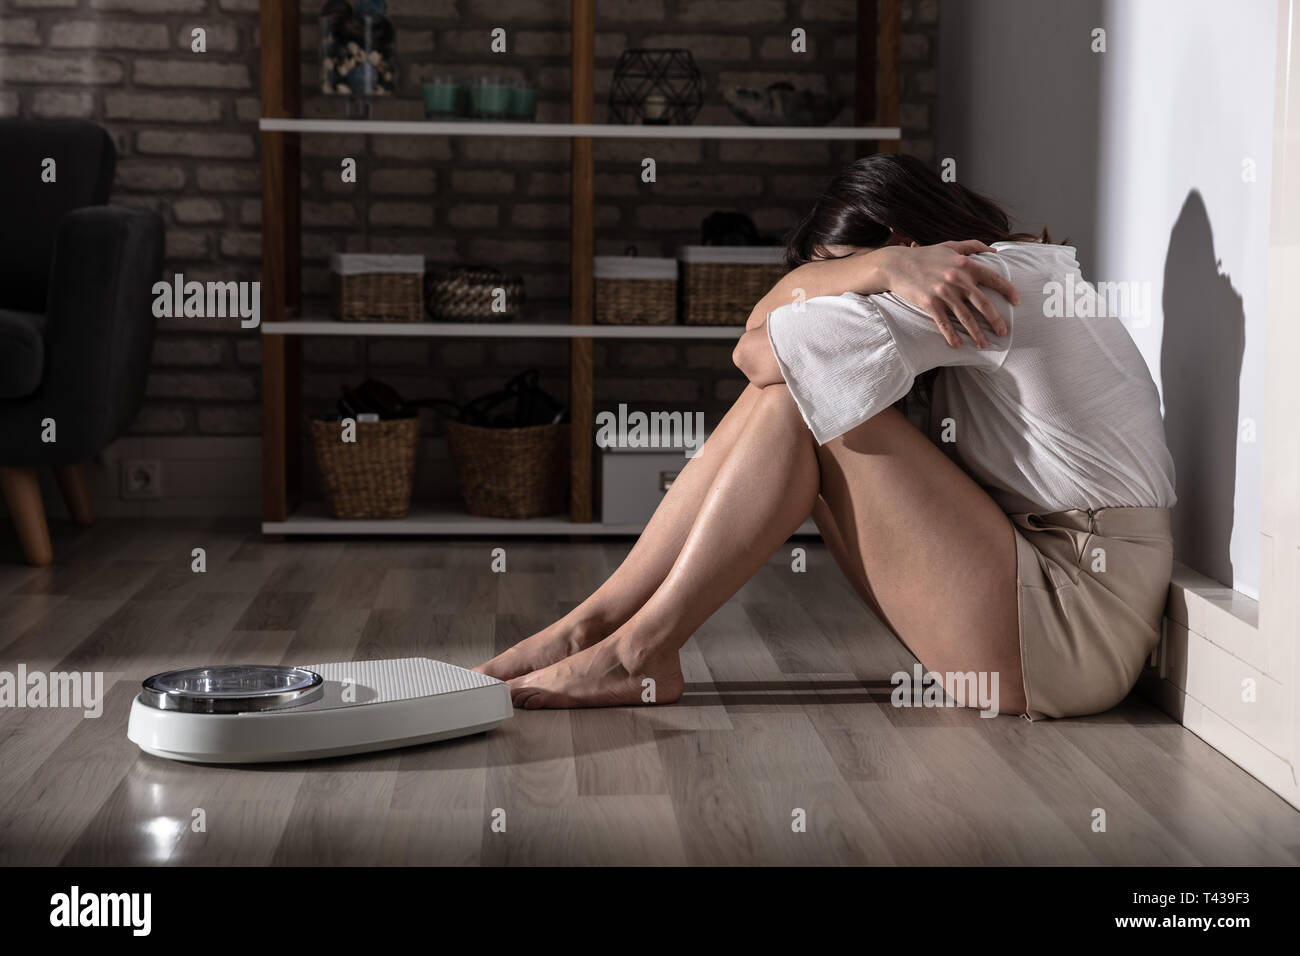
(642, 652)
(586, 628)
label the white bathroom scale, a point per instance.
(259, 713)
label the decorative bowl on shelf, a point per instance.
(782, 105)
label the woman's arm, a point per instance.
(939, 279)
(847, 357)
(753, 355)
(863, 272)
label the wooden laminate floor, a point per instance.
(787, 710)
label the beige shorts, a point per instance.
(1092, 591)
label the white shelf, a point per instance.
(313, 519)
(535, 330)
(567, 130)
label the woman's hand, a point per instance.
(943, 278)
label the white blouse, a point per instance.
(1061, 413)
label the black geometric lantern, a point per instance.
(655, 88)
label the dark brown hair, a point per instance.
(885, 192)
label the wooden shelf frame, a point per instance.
(281, 127)
(281, 260)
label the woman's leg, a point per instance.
(851, 565)
(933, 552)
(933, 549)
(646, 565)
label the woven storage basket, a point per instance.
(635, 291)
(466, 294)
(371, 477)
(721, 284)
(511, 472)
(373, 288)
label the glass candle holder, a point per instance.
(443, 97)
(523, 102)
(358, 50)
(489, 97)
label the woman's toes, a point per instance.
(520, 689)
(546, 647)
(529, 698)
(508, 665)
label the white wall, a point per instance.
(1136, 154)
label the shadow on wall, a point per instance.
(1200, 372)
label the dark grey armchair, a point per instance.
(76, 314)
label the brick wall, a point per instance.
(185, 127)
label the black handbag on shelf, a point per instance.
(532, 405)
(373, 400)
(520, 404)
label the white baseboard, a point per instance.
(1211, 644)
(1270, 769)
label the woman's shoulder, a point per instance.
(1035, 269)
(1033, 260)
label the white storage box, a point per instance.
(635, 480)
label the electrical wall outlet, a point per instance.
(141, 479)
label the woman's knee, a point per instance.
(777, 394)
(776, 402)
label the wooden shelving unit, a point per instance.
(283, 327)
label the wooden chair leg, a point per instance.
(76, 493)
(23, 496)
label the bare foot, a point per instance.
(551, 644)
(608, 674)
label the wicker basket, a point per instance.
(467, 294)
(511, 472)
(721, 284)
(635, 291)
(371, 477)
(368, 288)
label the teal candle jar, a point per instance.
(489, 98)
(523, 102)
(443, 98)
